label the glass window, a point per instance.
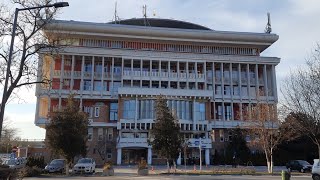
(88, 66)
(146, 108)
(90, 134)
(221, 133)
(129, 109)
(227, 90)
(113, 111)
(97, 85)
(228, 112)
(96, 111)
(87, 85)
(202, 111)
(100, 134)
(110, 133)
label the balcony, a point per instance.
(168, 92)
(132, 142)
(171, 75)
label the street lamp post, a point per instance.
(13, 34)
(200, 144)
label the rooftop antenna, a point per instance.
(268, 26)
(144, 13)
(116, 17)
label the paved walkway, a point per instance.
(163, 169)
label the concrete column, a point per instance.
(119, 155)
(207, 156)
(72, 73)
(179, 159)
(194, 115)
(149, 156)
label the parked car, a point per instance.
(56, 165)
(15, 163)
(299, 165)
(85, 165)
(315, 170)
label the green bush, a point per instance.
(36, 161)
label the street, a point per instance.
(130, 172)
(182, 177)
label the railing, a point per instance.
(129, 74)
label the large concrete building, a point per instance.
(211, 79)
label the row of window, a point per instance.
(95, 111)
(146, 109)
(103, 134)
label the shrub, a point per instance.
(36, 161)
(30, 171)
(142, 165)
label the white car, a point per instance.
(315, 170)
(85, 165)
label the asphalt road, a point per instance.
(130, 172)
(182, 177)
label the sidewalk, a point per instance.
(158, 169)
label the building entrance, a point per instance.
(134, 156)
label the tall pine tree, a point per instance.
(166, 132)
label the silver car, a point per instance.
(56, 165)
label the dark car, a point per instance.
(56, 165)
(299, 165)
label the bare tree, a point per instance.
(103, 145)
(301, 94)
(29, 41)
(264, 128)
(9, 136)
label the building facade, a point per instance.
(210, 78)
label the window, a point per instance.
(200, 111)
(218, 90)
(236, 90)
(129, 109)
(110, 133)
(227, 90)
(67, 62)
(97, 85)
(88, 66)
(113, 111)
(87, 85)
(96, 111)
(213, 136)
(100, 134)
(146, 109)
(109, 153)
(90, 134)
(88, 110)
(227, 112)
(230, 136)
(221, 133)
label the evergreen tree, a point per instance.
(166, 132)
(67, 131)
(237, 149)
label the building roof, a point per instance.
(174, 31)
(157, 22)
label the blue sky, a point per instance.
(295, 21)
